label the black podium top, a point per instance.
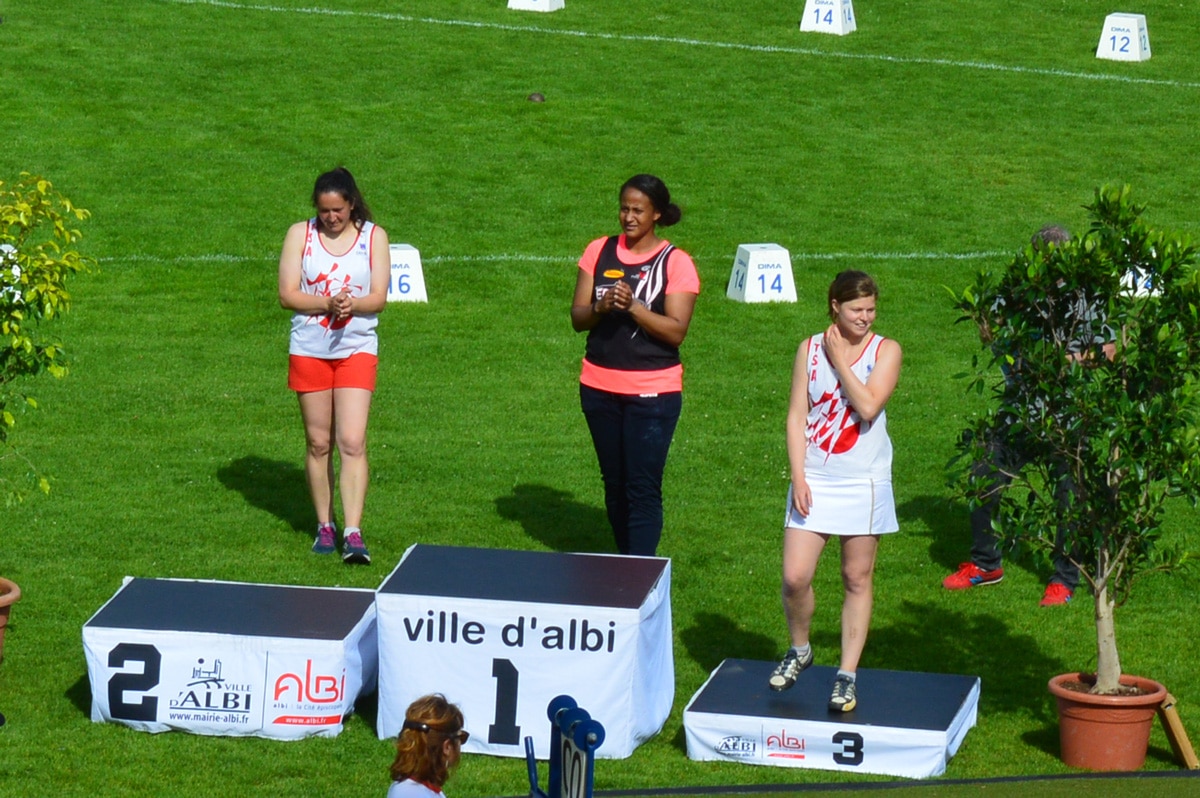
(898, 699)
(177, 605)
(541, 577)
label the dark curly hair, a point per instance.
(340, 181)
(659, 195)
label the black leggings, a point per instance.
(632, 435)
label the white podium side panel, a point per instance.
(309, 694)
(654, 689)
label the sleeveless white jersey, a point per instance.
(324, 274)
(839, 442)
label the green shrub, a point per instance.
(36, 258)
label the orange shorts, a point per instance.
(308, 374)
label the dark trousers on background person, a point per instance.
(632, 435)
(985, 549)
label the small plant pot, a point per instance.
(9, 595)
(1105, 732)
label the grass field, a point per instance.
(933, 140)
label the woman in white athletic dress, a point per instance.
(841, 463)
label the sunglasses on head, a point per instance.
(462, 735)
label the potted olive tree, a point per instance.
(1097, 343)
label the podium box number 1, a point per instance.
(762, 273)
(408, 281)
(1124, 38)
(828, 16)
(501, 632)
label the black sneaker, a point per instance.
(843, 698)
(785, 673)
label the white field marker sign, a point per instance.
(762, 273)
(828, 16)
(1124, 38)
(535, 5)
(408, 281)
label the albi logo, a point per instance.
(310, 689)
(737, 746)
(208, 691)
(785, 745)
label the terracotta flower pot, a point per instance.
(1105, 732)
(9, 595)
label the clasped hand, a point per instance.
(341, 305)
(618, 297)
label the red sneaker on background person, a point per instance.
(1056, 593)
(971, 575)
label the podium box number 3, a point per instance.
(828, 16)
(408, 281)
(1124, 38)
(762, 273)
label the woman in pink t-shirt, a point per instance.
(634, 295)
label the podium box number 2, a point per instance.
(408, 281)
(229, 658)
(762, 273)
(1124, 38)
(828, 16)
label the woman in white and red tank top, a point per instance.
(333, 274)
(841, 464)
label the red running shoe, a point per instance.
(971, 575)
(1056, 593)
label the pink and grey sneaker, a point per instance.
(971, 575)
(354, 551)
(326, 542)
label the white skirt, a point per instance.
(842, 506)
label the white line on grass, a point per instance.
(756, 48)
(516, 257)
